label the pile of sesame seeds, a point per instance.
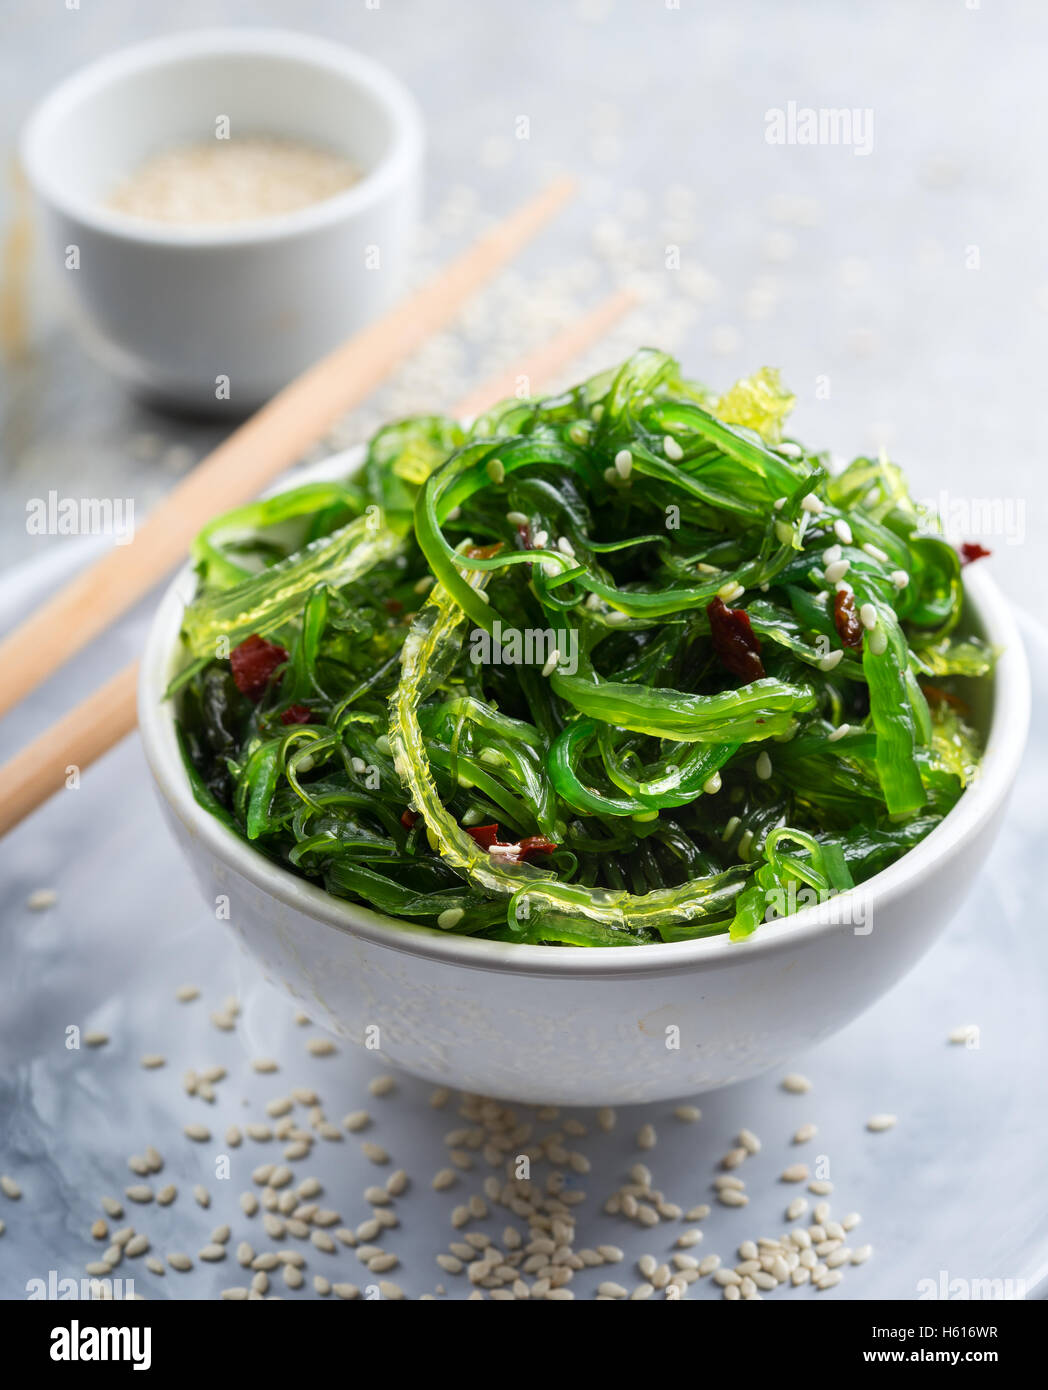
(515, 1180)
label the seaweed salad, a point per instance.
(614, 666)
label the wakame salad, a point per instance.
(615, 666)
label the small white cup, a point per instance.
(178, 312)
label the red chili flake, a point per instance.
(253, 663)
(846, 619)
(524, 535)
(535, 844)
(297, 714)
(487, 836)
(483, 552)
(971, 551)
(408, 819)
(734, 640)
(943, 697)
(392, 605)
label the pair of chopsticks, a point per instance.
(236, 471)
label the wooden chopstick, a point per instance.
(107, 716)
(255, 453)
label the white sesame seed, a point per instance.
(764, 768)
(552, 663)
(831, 660)
(811, 503)
(687, 1114)
(868, 615)
(517, 518)
(874, 551)
(831, 554)
(450, 917)
(320, 1047)
(796, 1172)
(712, 785)
(878, 641)
(730, 1197)
(496, 471)
(779, 503)
(9, 1187)
(840, 732)
(837, 570)
(820, 1187)
(878, 1123)
(95, 1039)
(899, 578)
(843, 531)
(199, 1133)
(862, 1254)
(804, 1133)
(796, 1208)
(795, 1083)
(646, 1137)
(41, 899)
(672, 449)
(624, 463)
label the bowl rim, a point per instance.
(382, 87)
(977, 805)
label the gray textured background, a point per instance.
(659, 110)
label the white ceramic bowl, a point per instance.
(584, 1026)
(171, 309)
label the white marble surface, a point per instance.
(956, 1187)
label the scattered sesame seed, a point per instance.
(646, 1137)
(877, 1124)
(764, 768)
(95, 1039)
(41, 899)
(547, 670)
(875, 552)
(811, 503)
(843, 531)
(496, 471)
(672, 449)
(868, 615)
(320, 1047)
(795, 1083)
(899, 578)
(840, 732)
(878, 641)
